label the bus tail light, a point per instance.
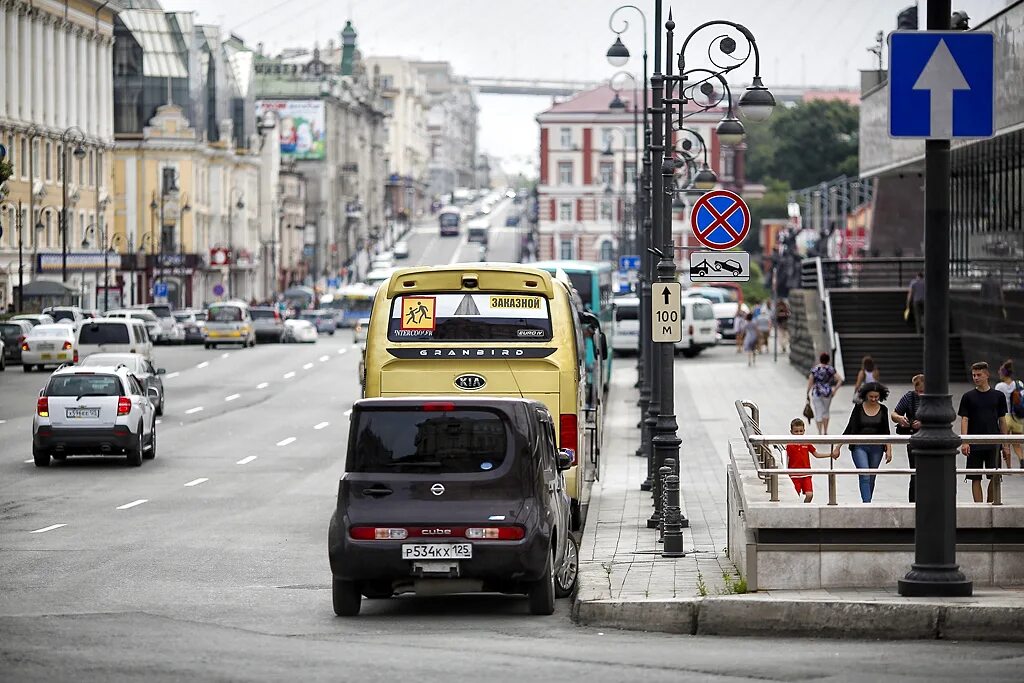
(43, 407)
(568, 437)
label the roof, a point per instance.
(161, 36)
(596, 101)
(47, 288)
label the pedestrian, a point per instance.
(1013, 388)
(869, 417)
(905, 417)
(764, 326)
(782, 316)
(868, 373)
(982, 411)
(798, 457)
(822, 383)
(915, 302)
(750, 339)
(738, 323)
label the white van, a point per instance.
(114, 335)
(700, 329)
(626, 330)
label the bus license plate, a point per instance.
(437, 551)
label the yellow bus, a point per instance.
(500, 328)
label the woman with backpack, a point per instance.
(1014, 390)
(822, 383)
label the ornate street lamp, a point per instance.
(70, 135)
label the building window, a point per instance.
(607, 250)
(565, 250)
(81, 174)
(566, 134)
(92, 168)
(387, 82)
(99, 168)
(607, 173)
(565, 173)
(605, 210)
(60, 163)
(48, 161)
(37, 168)
(630, 138)
(606, 138)
(727, 162)
(630, 175)
(565, 211)
(23, 155)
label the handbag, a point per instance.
(808, 412)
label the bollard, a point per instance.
(673, 530)
(663, 474)
(997, 489)
(832, 486)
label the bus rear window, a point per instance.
(584, 284)
(413, 441)
(458, 317)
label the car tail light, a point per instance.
(371, 533)
(43, 407)
(691, 330)
(438, 406)
(124, 405)
(496, 533)
(74, 358)
(24, 346)
(67, 346)
(568, 437)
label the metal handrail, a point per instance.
(875, 439)
(826, 302)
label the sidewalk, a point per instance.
(625, 583)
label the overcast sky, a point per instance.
(802, 42)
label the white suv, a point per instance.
(94, 411)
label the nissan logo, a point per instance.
(470, 382)
(437, 489)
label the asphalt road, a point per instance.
(210, 563)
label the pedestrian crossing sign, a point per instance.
(418, 313)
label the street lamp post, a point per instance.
(19, 228)
(92, 229)
(232, 203)
(72, 134)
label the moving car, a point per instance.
(267, 323)
(321, 319)
(94, 410)
(52, 344)
(477, 230)
(34, 318)
(700, 329)
(360, 330)
(452, 494)
(192, 321)
(375, 277)
(148, 318)
(13, 333)
(726, 302)
(229, 322)
(171, 331)
(401, 249)
(138, 365)
(114, 335)
(626, 329)
(299, 331)
(65, 314)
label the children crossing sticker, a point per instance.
(419, 313)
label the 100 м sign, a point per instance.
(666, 303)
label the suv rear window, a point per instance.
(84, 385)
(427, 442)
(225, 314)
(62, 315)
(104, 333)
(160, 310)
(262, 314)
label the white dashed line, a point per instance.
(224, 355)
(232, 397)
(132, 504)
(285, 442)
(29, 460)
(340, 351)
(3, 422)
(246, 460)
(158, 421)
(289, 375)
(204, 364)
(172, 375)
(307, 366)
(316, 426)
(347, 412)
(47, 528)
(323, 359)
(262, 385)
(197, 482)
(192, 411)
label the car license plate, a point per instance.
(46, 356)
(73, 413)
(705, 330)
(45, 347)
(437, 551)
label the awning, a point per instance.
(47, 288)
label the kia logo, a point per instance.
(470, 382)
(437, 489)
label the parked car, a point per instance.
(192, 321)
(401, 249)
(114, 335)
(171, 331)
(626, 329)
(138, 365)
(96, 411)
(91, 313)
(360, 330)
(463, 491)
(34, 318)
(229, 322)
(52, 344)
(268, 323)
(378, 275)
(322, 320)
(700, 329)
(13, 334)
(297, 330)
(726, 301)
(148, 318)
(65, 314)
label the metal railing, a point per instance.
(831, 337)
(897, 272)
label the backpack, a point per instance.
(1017, 400)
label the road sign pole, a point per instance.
(935, 571)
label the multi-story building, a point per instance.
(588, 162)
(452, 115)
(292, 266)
(403, 89)
(56, 123)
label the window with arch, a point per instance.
(607, 250)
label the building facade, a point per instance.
(452, 124)
(57, 126)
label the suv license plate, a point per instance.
(437, 551)
(72, 413)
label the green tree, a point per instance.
(772, 205)
(804, 145)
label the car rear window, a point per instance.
(160, 311)
(258, 314)
(62, 315)
(459, 317)
(104, 333)
(703, 311)
(10, 331)
(84, 385)
(427, 442)
(628, 312)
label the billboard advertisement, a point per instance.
(301, 125)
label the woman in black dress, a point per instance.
(870, 417)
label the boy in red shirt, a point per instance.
(798, 456)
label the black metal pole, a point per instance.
(20, 225)
(231, 251)
(64, 215)
(106, 265)
(643, 233)
(935, 571)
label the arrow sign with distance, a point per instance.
(666, 317)
(720, 220)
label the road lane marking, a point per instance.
(172, 375)
(307, 366)
(262, 385)
(232, 397)
(47, 528)
(347, 412)
(132, 504)
(246, 460)
(197, 482)
(224, 355)
(285, 442)
(3, 422)
(340, 351)
(204, 364)
(30, 460)
(316, 426)
(289, 375)
(191, 411)
(158, 420)
(323, 359)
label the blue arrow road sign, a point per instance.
(629, 263)
(941, 84)
(160, 289)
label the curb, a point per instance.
(739, 616)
